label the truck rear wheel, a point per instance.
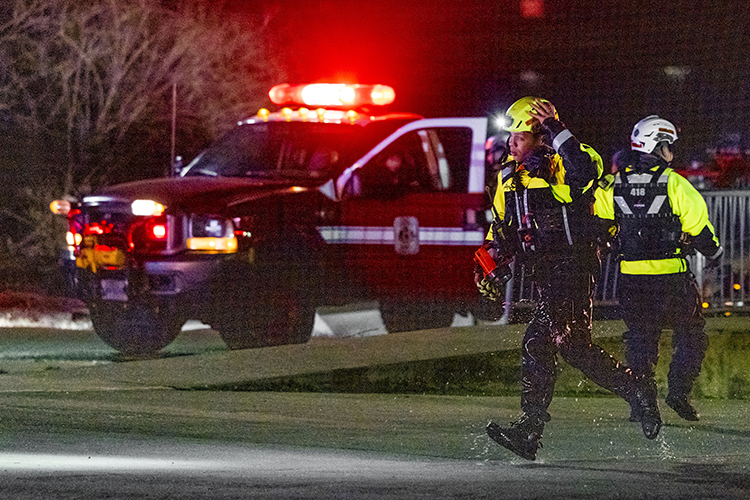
(133, 328)
(404, 316)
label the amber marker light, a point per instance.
(210, 244)
(382, 95)
(60, 207)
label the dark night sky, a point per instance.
(605, 64)
(427, 51)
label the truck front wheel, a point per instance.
(281, 316)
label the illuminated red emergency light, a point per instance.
(339, 95)
(156, 231)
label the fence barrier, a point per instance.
(725, 288)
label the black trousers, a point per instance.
(562, 324)
(652, 303)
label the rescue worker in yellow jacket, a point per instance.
(543, 216)
(660, 215)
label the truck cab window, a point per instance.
(426, 160)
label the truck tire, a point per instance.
(133, 328)
(404, 316)
(278, 317)
(268, 302)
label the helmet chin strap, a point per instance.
(644, 165)
(540, 163)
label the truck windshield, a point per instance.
(289, 149)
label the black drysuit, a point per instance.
(545, 210)
(658, 210)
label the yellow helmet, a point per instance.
(520, 118)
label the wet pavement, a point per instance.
(206, 445)
(149, 429)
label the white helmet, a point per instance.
(650, 131)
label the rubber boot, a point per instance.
(522, 437)
(645, 408)
(682, 406)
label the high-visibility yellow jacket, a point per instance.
(687, 204)
(568, 187)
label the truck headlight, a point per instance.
(148, 208)
(212, 234)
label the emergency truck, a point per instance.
(329, 200)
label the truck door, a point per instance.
(412, 215)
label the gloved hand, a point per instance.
(478, 271)
(489, 275)
(478, 275)
(715, 261)
(539, 164)
(490, 290)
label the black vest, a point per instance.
(543, 223)
(649, 229)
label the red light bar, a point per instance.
(337, 95)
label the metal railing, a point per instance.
(724, 288)
(727, 286)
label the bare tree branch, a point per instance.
(87, 72)
(85, 89)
